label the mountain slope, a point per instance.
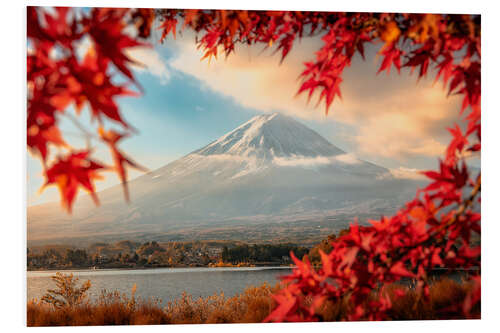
(270, 168)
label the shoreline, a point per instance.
(150, 268)
(234, 266)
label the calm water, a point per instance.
(164, 283)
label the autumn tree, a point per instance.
(433, 229)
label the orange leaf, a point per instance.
(390, 32)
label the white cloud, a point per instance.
(407, 173)
(293, 161)
(347, 159)
(152, 61)
(303, 161)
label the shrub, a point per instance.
(67, 293)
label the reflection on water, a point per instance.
(164, 283)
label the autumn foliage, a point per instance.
(58, 77)
(432, 230)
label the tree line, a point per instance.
(261, 253)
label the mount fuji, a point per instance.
(271, 169)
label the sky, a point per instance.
(394, 120)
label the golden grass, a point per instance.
(251, 306)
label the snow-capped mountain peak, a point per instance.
(271, 135)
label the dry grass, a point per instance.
(446, 297)
(251, 306)
(110, 309)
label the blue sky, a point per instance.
(386, 119)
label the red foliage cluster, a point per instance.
(432, 230)
(428, 37)
(58, 78)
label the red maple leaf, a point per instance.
(286, 303)
(392, 56)
(106, 29)
(70, 173)
(399, 269)
(39, 137)
(94, 85)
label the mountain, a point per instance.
(269, 136)
(270, 169)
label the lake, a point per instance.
(163, 283)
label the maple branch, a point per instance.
(85, 132)
(461, 209)
(404, 250)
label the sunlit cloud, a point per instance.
(398, 136)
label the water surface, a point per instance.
(163, 283)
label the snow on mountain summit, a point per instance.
(269, 136)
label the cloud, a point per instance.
(347, 159)
(399, 122)
(391, 115)
(293, 161)
(407, 173)
(152, 61)
(396, 135)
(303, 161)
(255, 79)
